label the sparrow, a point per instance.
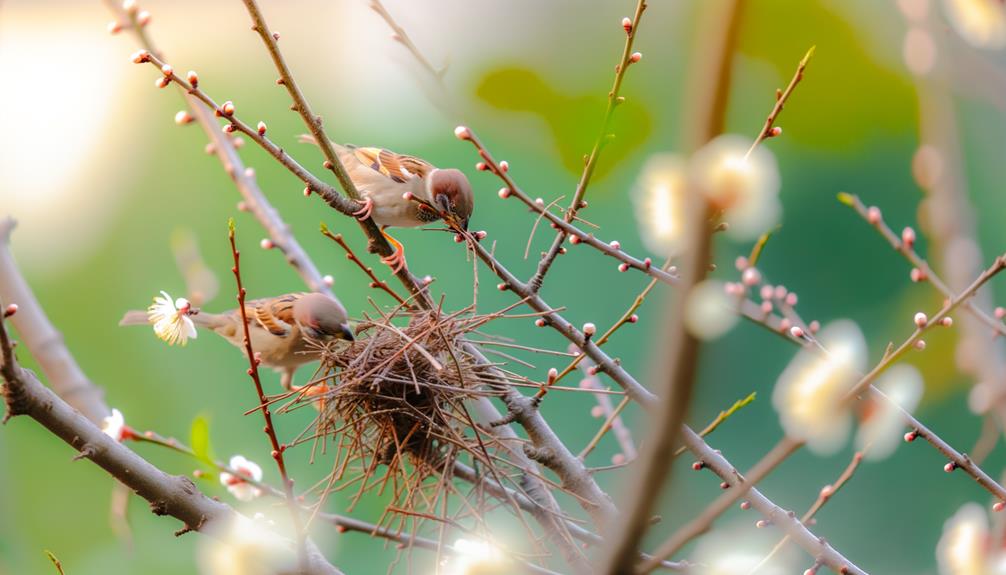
(404, 191)
(282, 328)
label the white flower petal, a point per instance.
(658, 198)
(709, 312)
(808, 395)
(962, 548)
(881, 430)
(982, 23)
(113, 425)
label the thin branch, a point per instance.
(375, 282)
(270, 429)
(614, 99)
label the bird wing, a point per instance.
(399, 167)
(274, 315)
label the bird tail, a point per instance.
(134, 317)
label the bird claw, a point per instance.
(395, 261)
(364, 212)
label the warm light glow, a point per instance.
(245, 547)
(475, 558)
(658, 198)
(808, 395)
(962, 549)
(710, 312)
(744, 187)
(982, 23)
(881, 422)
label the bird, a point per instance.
(282, 328)
(404, 191)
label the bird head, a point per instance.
(452, 195)
(322, 317)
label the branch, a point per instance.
(270, 429)
(170, 495)
(628, 58)
(43, 339)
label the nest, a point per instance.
(392, 404)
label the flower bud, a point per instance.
(462, 133)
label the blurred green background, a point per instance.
(99, 176)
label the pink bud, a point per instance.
(458, 238)
(574, 240)
(745, 505)
(615, 245)
(724, 485)
(481, 166)
(917, 275)
(462, 133)
(920, 344)
(501, 286)
(766, 292)
(950, 466)
(539, 202)
(228, 108)
(239, 142)
(751, 276)
(589, 329)
(427, 280)
(780, 292)
(873, 215)
(242, 207)
(623, 267)
(618, 459)
(504, 166)
(143, 18)
(114, 27)
(140, 57)
(183, 117)
(796, 331)
(774, 132)
(911, 435)
(553, 374)
(10, 310)
(592, 370)
(167, 70)
(761, 524)
(741, 263)
(193, 78)
(627, 25)
(540, 322)
(328, 280)
(597, 411)
(504, 193)
(407, 196)
(785, 324)
(162, 82)
(698, 466)
(1000, 312)
(261, 128)
(130, 6)
(921, 320)
(766, 307)
(908, 237)
(947, 321)
(249, 173)
(998, 506)
(827, 491)
(814, 326)
(791, 299)
(307, 191)
(266, 244)
(636, 56)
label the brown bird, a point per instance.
(282, 328)
(404, 191)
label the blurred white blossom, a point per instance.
(245, 547)
(881, 421)
(982, 23)
(739, 550)
(114, 426)
(809, 393)
(237, 482)
(710, 312)
(964, 547)
(745, 188)
(171, 320)
(658, 198)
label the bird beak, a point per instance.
(443, 202)
(464, 224)
(347, 332)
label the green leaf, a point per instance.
(199, 438)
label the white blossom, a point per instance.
(982, 23)
(964, 547)
(237, 482)
(171, 320)
(709, 312)
(658, 198)
(881, 421)
(114, 426)
(243, 546)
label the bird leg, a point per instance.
(395, 261)
(364, 212)
(286, 379)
